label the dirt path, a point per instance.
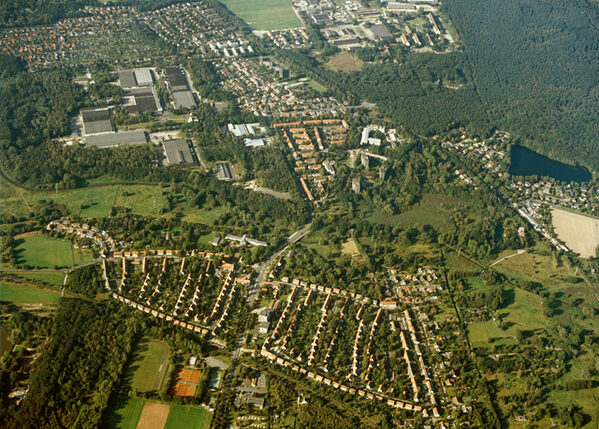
(163, 365)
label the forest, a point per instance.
(79, 368)
(536, 70)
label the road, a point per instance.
(297, 235)
(49, 270)
(262, 269)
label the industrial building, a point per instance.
(117, 139)
(96, 121)
(135, 78)
(179, 152)
(178, 87)
(240, 130)
(224, 171)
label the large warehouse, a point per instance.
(178, 87)
(179, 152)
(123, 138)
(96, 121)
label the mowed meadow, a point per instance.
(265, 14)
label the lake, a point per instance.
(525, 162)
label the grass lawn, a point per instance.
(82, 254)
(126, 412)
(316, 86)
(26, 294)
(265, 14)
(188, 417)
(54, 279)
(45, 252)
(147, 363)
(484, 334)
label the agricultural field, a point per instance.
(265, 14)
(187, 417)
(345, 62)
(149, 364)
(580, 232)
(25, 294)
(126, 413)
(37, 250)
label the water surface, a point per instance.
(525, 162)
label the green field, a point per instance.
(187, 417)
(21, 294)
(54, 279)
(45, 252)
(147, 364)
(126, 413)
(96, 201)
(265, 14)
(433, 209)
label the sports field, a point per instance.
(149, 365)
(578, 231)
(38, 250)
(126, 414)
(153, 415)
(188, 417)
(20, 294)
(265, 14)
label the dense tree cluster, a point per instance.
(536, 68)
(79, 367)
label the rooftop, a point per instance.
(117, 139)
(178, 152)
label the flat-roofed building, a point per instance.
(127, 79)
(117, 139)
(183, 100)
(224, 171)
(144, 77)
(96, 121)
(179, 152)
(380, 32)
(175, 77)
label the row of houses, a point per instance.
(198, 27)
(261, 91)
(335, 384)
(100, 237)
(167, 317)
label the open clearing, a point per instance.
(93, 201)
(27, 294)
(579, 232)
(149, 362)
(433, 209)
(45, 252)
(265, 14)
(153, 415)
(188, 417)
(345, 62)
(54, 279)
(126, 413)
